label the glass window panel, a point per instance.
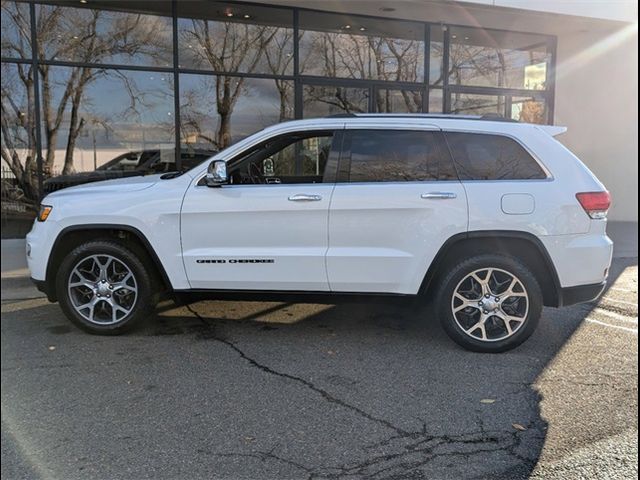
(528, 110)
(398, 101)
(104, 36)
(19, 169)
(436, 56)
(398, 156)
(470, 104)
(491, 157)
(333, 45)
(228, 37)
(217, 110)
(309, 154)
(108, 114)
(16, 30)
(490, 58)
(324, 100)
(436, 101)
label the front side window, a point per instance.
(295, 158)
(398, 156)
(480, 156)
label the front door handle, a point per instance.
(302, 197)
(438, 195)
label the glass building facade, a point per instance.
(95, 85)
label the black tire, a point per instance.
(457, 272)
(140, 308)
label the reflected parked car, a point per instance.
(131, 164)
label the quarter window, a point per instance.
(399, 156)
(492, 157)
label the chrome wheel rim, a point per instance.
(490, 304)
(102, 289)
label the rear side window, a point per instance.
(480, 156)
(398, 156)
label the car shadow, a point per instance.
(367, 390)
(392, 366)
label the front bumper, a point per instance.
(44, 287)
(581, 293)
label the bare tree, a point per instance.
(230, 47)
(78, 35)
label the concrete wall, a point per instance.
(597, 98)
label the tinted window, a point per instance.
(492, 157)
(397, 156)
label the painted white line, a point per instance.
(618, 289)
(630, 330)
(609, 299)
(617, 316)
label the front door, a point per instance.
(397, 200)
(267, 229)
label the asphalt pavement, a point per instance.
(255, 390)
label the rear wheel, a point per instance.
(104, 288)
(489, 303)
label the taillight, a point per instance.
(596, 204)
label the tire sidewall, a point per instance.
(143, 282)
(464, 268)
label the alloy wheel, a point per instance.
(102, 289)
(490, 304)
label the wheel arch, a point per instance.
(130, 237)
(522, 245)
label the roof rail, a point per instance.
(342, 115)
(493, 117)
(496, 117)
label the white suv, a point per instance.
(496, 219)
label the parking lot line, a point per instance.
(626, 329)
(617, 316)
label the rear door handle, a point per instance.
(302, 197)
(438, 195)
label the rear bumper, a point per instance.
(580, 293)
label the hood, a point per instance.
(119, 185)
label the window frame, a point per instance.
(344, 166)
(548, 175)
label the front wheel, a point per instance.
(489, 303)
(104, 288)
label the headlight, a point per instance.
(44, 212)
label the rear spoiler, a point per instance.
(552, 130)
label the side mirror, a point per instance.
(216, 174)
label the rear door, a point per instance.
(396, 201)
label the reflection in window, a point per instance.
(103, 36)
(469, 104)
(308, 156)
(108, 113)
(19, 170)
(398, 101)
(528, 110)
(436, 101)
(321, 100)
(398, 156)
(498, 59)
(436, 56)
(218, 110)
(333, 45)
(491, 157)
(226, 37)
(16, 28)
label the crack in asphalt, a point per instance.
(421, 442)
(326, 395)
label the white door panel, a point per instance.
(255, 237)
(383, 236)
